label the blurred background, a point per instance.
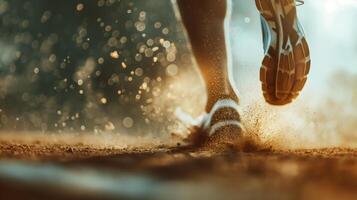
(88, 66)
(123, 67)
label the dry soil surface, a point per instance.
(52, 171)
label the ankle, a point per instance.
(212, 99)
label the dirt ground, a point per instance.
(78, 171)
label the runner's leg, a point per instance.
(205, 24)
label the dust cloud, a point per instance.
(315, 120)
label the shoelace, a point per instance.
(300, 2)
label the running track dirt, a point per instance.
(55, 171)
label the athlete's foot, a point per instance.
(287, 61)
(221, 128)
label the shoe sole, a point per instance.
(287, 62)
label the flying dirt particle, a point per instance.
(123, 40)
(139, 71)
(142, 15)
(36, 70)
(52, 58)
(46, 16)
(154, 49)
(80, 7)
(140, 26)
(171, 57)
(128, 122)
(123, 65)
(104, 100)
(138, 57)
(108, 28)
(157, 25)
(165, 31)
(109, 126)
(114, 54)
(149, 52)
(166, 44)
(100, 60)
(80, 82)
(150, 42)
(172, 70)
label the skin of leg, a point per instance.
(204, 21)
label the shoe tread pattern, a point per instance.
(287, 62)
